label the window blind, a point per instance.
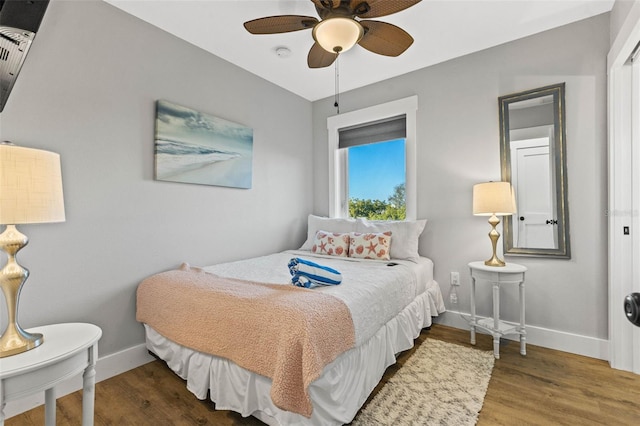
(376, 131)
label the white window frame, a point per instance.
(338, 179)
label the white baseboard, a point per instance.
(106, 367)
(547, 338)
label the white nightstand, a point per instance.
(67, 350)
(512, 273)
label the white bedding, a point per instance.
(387, 289)
(389, 307)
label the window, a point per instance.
(386, 131)
(376, 178)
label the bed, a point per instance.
(388, 301)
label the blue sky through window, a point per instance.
(375, 169)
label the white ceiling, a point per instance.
(442, 29)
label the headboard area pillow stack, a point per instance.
(404, 240)
(406, 235)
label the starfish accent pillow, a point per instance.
(370, 245)
(331, 243)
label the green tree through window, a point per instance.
(393, 209)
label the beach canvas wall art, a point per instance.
(193, 147)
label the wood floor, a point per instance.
(546, 387)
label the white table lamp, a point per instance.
(30, 192)
(493, 199)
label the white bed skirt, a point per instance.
(337, 395)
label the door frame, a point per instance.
(624, 194)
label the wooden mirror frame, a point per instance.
(558, 151)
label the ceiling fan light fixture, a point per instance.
(337, 35)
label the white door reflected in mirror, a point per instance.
(532, 183)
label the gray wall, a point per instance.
(458, 146)
(619, 13)
(533, 116)
(87, 91)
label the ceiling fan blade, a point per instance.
(384, 38)
(378, 8)
(320, 58)
(280, 24)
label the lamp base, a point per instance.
(494, 235)
(15, 341)
(494, 261)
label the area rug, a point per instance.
(440, 384)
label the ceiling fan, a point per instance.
(341, 26)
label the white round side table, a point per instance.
(67, 350)
(511, 273)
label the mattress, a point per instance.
(385, 324)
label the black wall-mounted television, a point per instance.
(19, 23)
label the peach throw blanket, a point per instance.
(283, 332)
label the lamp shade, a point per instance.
(30, 186)
(337, 35)
(493, 198)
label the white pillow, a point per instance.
(406, 234)
(319, 223)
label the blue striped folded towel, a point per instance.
(305, 273)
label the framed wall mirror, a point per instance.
(533, 159)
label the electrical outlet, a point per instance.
(453, 298)
(455, 278)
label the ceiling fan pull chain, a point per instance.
(336, 102)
